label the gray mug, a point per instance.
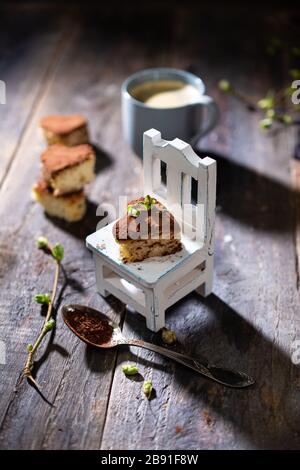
(188, 122)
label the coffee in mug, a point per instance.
(166, 93)
(170, 100)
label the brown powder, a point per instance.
(208, 418)
(59, 157)
(89, 324)
(157, 222)
(178, 429)
(61, 125)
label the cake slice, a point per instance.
(148, 229)
(70, 207)
(68, 169)
(66, 130)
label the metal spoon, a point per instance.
(112, 336)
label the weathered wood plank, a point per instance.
(295, 175)
(29, 48)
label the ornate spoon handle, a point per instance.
(227, 377)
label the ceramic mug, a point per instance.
(188, 122)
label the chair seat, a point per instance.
(147, 272)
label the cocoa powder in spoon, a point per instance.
(89, 325)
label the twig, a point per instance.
(57, 253)
(250, 105)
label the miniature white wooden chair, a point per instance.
(153, 285)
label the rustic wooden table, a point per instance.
(58, 60)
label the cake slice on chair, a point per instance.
(147, 229)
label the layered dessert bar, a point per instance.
(68, 169)
(147, 229)
(70, 207)
(66, 130)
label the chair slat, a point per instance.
(186, 195)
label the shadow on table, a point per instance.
(82, 228)
(251, 198)
(267, 413)
(103, 159)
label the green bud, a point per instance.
(265, 123)
(149, 201)
(49, 325)
(225, 86)
(289, 91)
(130, 369)
(168, 336)
(296, 51)
(43, 299)
(42, 242)
(271, 50)
(147, 389)
(262, 104)
(133, 211)
(268, 102)
(29, 347)
(276, 42)
(58, 252)
(274, 45)
(287, 119)
(294, 73)
(270, 113)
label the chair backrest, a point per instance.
(182, 164)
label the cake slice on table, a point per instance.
(70, 207)
(147, 229)
(66, 130)
(68, 169)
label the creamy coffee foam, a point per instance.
(174, 98)
(166, 93)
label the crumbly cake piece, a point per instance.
(70, 207)
(65, 130)
(148, 229)
(138, 250)
(68, 169)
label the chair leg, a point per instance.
(206, 288)
(155, 311)
(100, 277)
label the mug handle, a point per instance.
(212, 116)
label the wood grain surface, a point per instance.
(74, 60)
